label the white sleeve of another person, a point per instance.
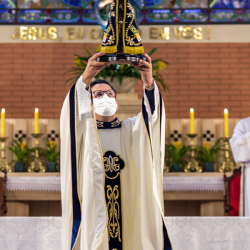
(240, 141)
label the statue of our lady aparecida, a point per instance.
(121, 40)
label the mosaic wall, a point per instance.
(150, 11)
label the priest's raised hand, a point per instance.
(146, 70)
(92, 68)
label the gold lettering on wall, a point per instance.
(16, 34)
(32, 33)
(70, 33)
(52, 31)
(23, 33)
(95, 33)
(159, 33)
(184, 32)
(177, 32)
(79, 33)
(74, 33)
(164, 33)
(198, 33)
(208, 33)
(153, 33)
(43, 33)
(187, 32)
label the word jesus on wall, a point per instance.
(32, 33)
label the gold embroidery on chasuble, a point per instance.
(113, 165)
(107, 125)
(100, 124)
(115, 123)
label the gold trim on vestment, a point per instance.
(70, 170)
(161, 178)
(162, 198)
(121, 190)
(94, 120)
(77, 175)
(162, 215)
(79, 229)
(76, 115)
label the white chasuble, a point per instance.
(240, 144)
(111, 178)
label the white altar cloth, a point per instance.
(186, 233)
(193, 183)
(33, 183)
(170, 183)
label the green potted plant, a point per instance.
(122, 77)
(21, 152)
(52, 156)
(209, 156)
(176, 153)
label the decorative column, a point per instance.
(227, 165)
(36, 165)
(193, 165)
(4, 166)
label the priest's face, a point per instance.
(104, 101)
(98, 90)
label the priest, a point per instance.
(112, 170)
(240, 144)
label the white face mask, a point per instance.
(105, 106)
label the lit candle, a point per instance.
(226, 122)
(2, 123)
(36, 121)
(191, 121)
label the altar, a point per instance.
(189, 233)
(185, 194)
(193, 194)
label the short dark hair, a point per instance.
(99, 81)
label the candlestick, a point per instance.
(36, 121)
(193, 165)
(36, 165)
(3, 123)
(4, 166)
(191, 121)
(226, 122)
(227, 165)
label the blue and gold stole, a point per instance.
(76, 204)
(131, 40)
(113, 166)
